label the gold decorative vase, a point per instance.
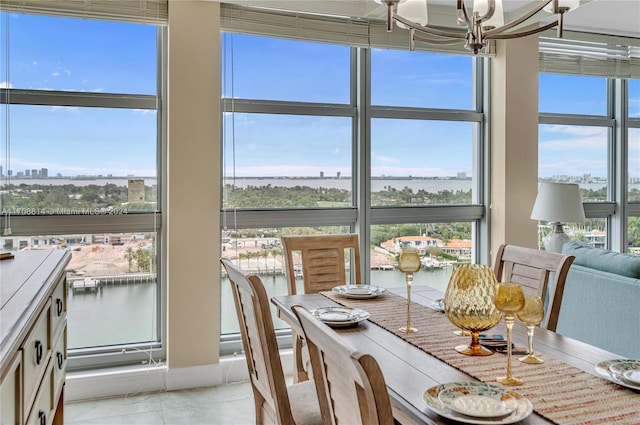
(468, 304)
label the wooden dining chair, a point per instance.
(275, 402)
(323, 267)
(350, 385)
(532, 269)
(323, 260)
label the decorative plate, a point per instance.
(340, 316)
(621, 369)
(603, 370)
(359, 291)
(438, 305)
(480, 401)
(519, 405)
(632, 376)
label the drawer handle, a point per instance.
(38, 352)
(60, 359)
(42, 416)
(58, 307)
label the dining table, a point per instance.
(565, 390)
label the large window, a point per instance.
(586, 137)
(321, 140)
(79, 169)
(633, 155)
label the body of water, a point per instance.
(118, 181)
(115, 314)
(124, 314)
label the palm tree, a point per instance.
(264, 254)
(129, 256)
(274, 252)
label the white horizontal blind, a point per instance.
(322, 28)
(604, 56)
(139, 11)
(293, 25)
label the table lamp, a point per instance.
(557, 203)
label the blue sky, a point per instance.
(86, 56)
(94, 56)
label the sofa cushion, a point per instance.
(603, 259)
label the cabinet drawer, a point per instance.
(36, 352)
(59, 360)
(58, 307)
(11, 394)
(42, 411)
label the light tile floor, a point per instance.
(228, 404)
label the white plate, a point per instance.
(521, 409)
(632, 376)
(438, 305)
(359, 291)
(340, 316)
(480, 401)
(621, 369)
(603, 369)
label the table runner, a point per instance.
(583, 399)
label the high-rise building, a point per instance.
(44, 173)
(136, 190)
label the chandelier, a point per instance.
(484, 22)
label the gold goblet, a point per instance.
(531, 315)
(468, 304)
(509, 300)
(409, 263)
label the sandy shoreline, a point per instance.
(104, 259)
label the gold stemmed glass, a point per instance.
(468, 304)
(509, 300)
(409, 263)
(531, 315)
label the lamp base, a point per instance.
(555, 239)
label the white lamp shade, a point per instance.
(413, 10)
(558, 203)
(497, 20)
(569, 4)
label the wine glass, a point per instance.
(409, 263)
(531, 315)
(468, 304)
(509, 300)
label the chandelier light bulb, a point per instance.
(413, 10)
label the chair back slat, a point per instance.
(541, 273)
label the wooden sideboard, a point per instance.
(33, 337)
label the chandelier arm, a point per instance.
(519, 20)
(463, 15)
(432, 31)
(505, 36)
(491, 9)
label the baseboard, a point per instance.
(127, 381)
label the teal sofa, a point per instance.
(601, 302)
